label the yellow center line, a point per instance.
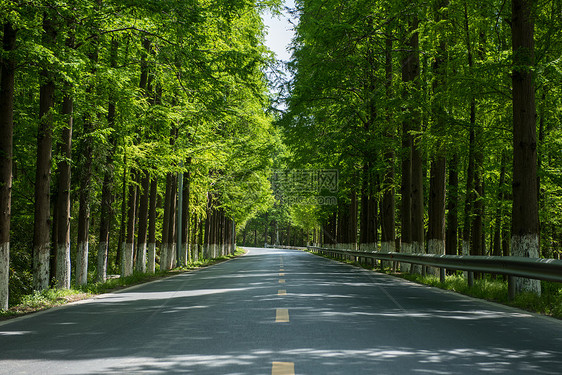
(283, 368)
(281, 274)
(281, 269)
(281, 281)
(282, 316)
(281, 292)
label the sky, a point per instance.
(279, 35)
(280, 32)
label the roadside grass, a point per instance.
(46, 299)
(548, 303)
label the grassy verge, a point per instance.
(549, 303)
(49, 298)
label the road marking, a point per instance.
(282, 316)
(281, 269)
(283, 368)
(281, 274)
(281, 281)
(281, 292)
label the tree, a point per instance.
(41, 238)
(410, 76)
(7, 83)
(525, 222)
(438, 174)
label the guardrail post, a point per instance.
(442, 275)
(470, 279)
(510, 287)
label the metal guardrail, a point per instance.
(286, 247)
(532, 268)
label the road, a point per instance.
(281, 312)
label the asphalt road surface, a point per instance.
(281, 312)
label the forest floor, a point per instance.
(46, 299)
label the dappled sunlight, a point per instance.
(155, 296)
(15, 333)
(431, 314)
(387, 360)
(321, 295)
(179, 309)
(221, 320)
(243, 275)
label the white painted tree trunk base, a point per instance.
(526, 246)
(127, 266)
(81, 264)
(4, 274)
(196, 253)
(184, 253)
(63, 266)
(435, 246)
(406, 248)
(151, 261)
(164, 257)
(417, 248)
(141, 258)
(465, 250)
(388, 246)
(41, 267)
(171, 256)
(102, 262)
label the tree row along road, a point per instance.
(278, 312)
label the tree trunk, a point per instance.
(186, 254)
(143, 222)
(84, 210)
(222, 233)
(62, 269)
(266, 227)
(417, 201)
(107, 187)
(144, 193)
(411, 162)
(105, 222)
(497, 251)
(477, 202)
(7, 85)
(469, 195)
(436, 228)
(166, 224)
(417, 206)
(365, 235)
(105, 216)
(201, 235)
(525, 221)
(451, 236)
(41, 241)
(438, 173)
(352, 226)
(388, 233)
(405, 192)
(128, 248)
(172, 226)
(123, 224)
(151, 248)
